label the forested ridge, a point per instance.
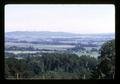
(64, 65)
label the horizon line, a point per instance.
(63, 32)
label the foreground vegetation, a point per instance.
(63, 65)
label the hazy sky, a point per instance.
(73, 18)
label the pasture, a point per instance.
(39, 46)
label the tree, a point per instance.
(106, 67)
(50, 66)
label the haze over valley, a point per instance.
(45, 41)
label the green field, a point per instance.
(40, 46)
(18, 52)
(93, 54)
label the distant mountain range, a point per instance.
(40, 33)
(24, 35)
(48, 33)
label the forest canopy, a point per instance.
(64, 65)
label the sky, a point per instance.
(73, 18)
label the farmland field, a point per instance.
(77, 44)
(39, 46)
(92, 54)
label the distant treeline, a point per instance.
(56, 42)
(78, 47)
